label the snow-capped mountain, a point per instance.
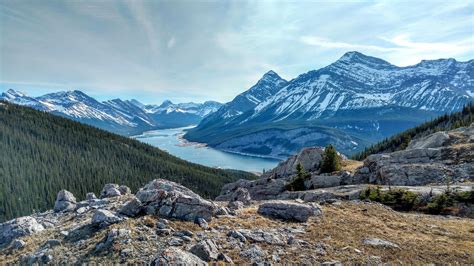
(120, 116)
(359, 98)
(265, 88)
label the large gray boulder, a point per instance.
(427, 160)
(18, 227)
(377, 242)
(242, 195)
(288, 211)
(323, 181)
(132, 207)
(110, 190)
(205, 250)
(176, 256)
(102, 218)
(434, 140)
(65, 201)
(168, 199)
(310, 159)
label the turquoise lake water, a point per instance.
(171, 141)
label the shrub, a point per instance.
(331, 160)
(440, 203)
(398, 199)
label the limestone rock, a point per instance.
(18, 244)
(18, 227)
(376, 242)
(323, 181)
(310, 159)
(254, 253)
(168, 199)
(287, 211)
(242, 195)
(91, 196)
(65, 201)
(434, 140)
(110, 190)
(235, 205)
(124, 190)
(176, 256)
(205, 250)
(132, 207)
(104, 218)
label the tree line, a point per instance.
(41, 153)
(400, 141)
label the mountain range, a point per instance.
(351, 103)
(126, 117)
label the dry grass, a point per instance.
(422, 238)
(351, 165)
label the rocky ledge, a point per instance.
(260, 221)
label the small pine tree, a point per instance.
(297, 184)
(331, 161)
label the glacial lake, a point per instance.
(171, 141)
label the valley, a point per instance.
(171, 140)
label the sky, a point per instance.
(186, 50)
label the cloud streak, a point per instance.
(212, 50)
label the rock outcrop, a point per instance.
(427, 160)
(65, 201)
(168, 199)
(288, 211)
(19, 227)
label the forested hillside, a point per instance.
(43, 153)
(400, 141)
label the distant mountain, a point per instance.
(126, 117)
(351, 103)
(42, 153)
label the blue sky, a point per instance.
(212, 50)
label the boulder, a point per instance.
(110, 190)
(202, 223)
(205, 250)
(434, 140)
(124, 190)
(310, 159)
(19, 227)
(261, 236)
(65, 201)
(287, 211)
(91, 196)
(323, 181)
(176, 256)
(132, 207)
(242, 195)
(377, 242)
(168, 199)
(102, 218)
(235, 205)
(255, 254)
(18, 244)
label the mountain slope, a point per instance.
(463, 118)
(43, 153)
(127, 117)
(361, 97)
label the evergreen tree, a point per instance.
(297, 184)
(41, 153)
(463, 118)
(331, 160)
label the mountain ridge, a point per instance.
(126, 117)
(382, 99)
